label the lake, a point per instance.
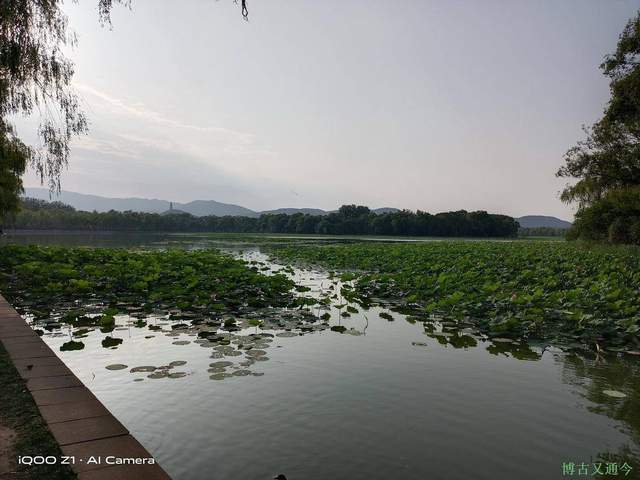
(377, 399)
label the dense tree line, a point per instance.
(348, 220)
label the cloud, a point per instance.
(208, 140)
(140, 111)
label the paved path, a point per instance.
(79, 422)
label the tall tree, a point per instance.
(35, 77)
(609, 159)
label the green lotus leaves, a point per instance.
(116, 366)
(143, 369)
(510, 290)
(110, 342)
(71, 345)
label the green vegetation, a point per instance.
(19, 413)
(349, 220)
(192, 284)
(557, 291)
(13, 163)
(607, 163)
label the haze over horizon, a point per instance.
(425, 105)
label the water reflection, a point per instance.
(592, 375)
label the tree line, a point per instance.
(348, 220)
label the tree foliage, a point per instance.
(13, 156)
(608, 159)
(35, 78)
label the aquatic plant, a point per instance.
(559, 291)
(50, 281)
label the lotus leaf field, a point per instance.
(585, 297)
(191, 285)
(564, 293)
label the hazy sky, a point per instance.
(434, 105)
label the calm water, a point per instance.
(384, 400)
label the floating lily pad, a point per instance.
(241, 373)
(181, 342)
(109, 342)
(177, 374)
(222, 363)
(256, 353)
(71, 345)
(156, 375)
(439, 334)
(614, 393)
(177, 363)
(219, 376)
(145, 368)
(286, 334)
(116, 366)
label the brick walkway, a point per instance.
(79, 422)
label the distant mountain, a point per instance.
(382, 210)
(89, 203)
(202, 208)
(535, 221)
(291, 211)
(82, 201)
(175, 212)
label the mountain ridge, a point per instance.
(536, 221)
(199, 208)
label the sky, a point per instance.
(420, 104)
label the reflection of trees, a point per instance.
(613, 374)
(592, 378)
(624, 455)
(456, 340)
(520, 351)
